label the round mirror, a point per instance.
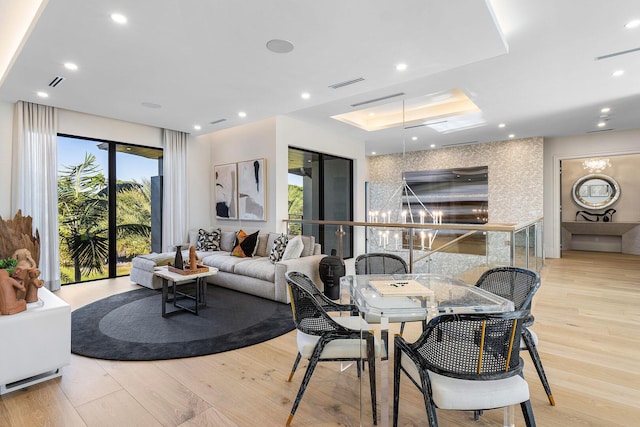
(595, 191)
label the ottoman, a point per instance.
(142, 268)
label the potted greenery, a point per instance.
(8, 264)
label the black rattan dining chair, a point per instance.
(465, 362)
(519, 285)
(322, 338)
(380, 263)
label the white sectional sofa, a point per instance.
(256, 275)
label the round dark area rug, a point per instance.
(130, 326)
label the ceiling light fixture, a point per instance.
(414, 138)
(197, 127)
(433, 146)
(596, 165)
(373, 153)
(70, 66)
(43, 94)
(279, 46)
(501, 125)
(242, 114)
(512, 135)
(605, 110)
(119, 18)
(632, 24)
(602, 124)
(305, 95)
(617, 73)
(401, 67)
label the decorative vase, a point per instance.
(178, 262)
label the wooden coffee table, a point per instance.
(169, 278)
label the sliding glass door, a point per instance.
(321, 188)
(109, 206)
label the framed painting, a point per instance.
(226, 186)
(251, 190)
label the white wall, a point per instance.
(6, 124)
(557, 149)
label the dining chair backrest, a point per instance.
(380, 263)
(308, 314)
(472, 346)
(513, 283)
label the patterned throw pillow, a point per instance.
(245, 244)
(279, 245)
(209, 240)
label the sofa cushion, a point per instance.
(222, 261)
(294, 249)
(245, 244)
(209, 240)
(277, 248)
(308, 242)
(257, 267)
(227, 241)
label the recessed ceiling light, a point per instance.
(279, 46)
(605, 110)
(433, 146)
(512, 135)
(633, 24)
(242, 114)
(414, 138)
(197, 127)
(501, 125)
(119, 18)
(372, 114)
(401, 67)
(602, 124)
(43, 94)
(617, 73)
(373, 153)
(70, 66)
(305, 95)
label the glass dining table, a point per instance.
(383, 299)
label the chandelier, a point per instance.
(596, 165)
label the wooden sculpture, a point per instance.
(29, 279)
(18, 234)
(193, 259)
(9, 304)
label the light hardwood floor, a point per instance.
(587, 318)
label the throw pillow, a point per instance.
(245, 244)
(209, 240)
(294, 249)
(278, 248)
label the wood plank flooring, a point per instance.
(587, 319)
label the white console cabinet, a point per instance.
(35, 343)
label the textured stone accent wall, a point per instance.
(515, 175)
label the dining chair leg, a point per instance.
(305, 381)
(402, 328)
(428, 402)
(527, 412)
(396, 385)
(371, 358)
(535, 357)
(295, 366)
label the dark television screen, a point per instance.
(460, 194)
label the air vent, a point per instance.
(215, 122)
(347, 83)
(622, 52)
(600, 130)
(56, 81)
(377, 99)
(426, 124)
(457, 144)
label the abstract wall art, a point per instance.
(225, 178)
(251, 190)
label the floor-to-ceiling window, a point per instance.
(321, 188)
(109, 202)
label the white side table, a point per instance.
(36, 343)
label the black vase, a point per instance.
(178, 262)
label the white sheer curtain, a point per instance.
(34, 181)
(174, 205)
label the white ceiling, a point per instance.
(527, 63)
